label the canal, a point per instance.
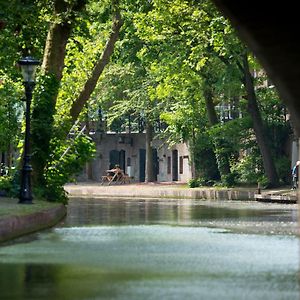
(157, 249)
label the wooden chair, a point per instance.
(116, 178)
(125, 178)
(106, 178)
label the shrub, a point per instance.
(62, 169)
(196, 182)
(5, 183)
(283, 166)
(229, 180)
(263, 181)
(192, 183)
(249, 169)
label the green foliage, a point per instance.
(49, 144)
(192, 183)
(24, 32)
(10, 112)
(204, 158)
(249, 168)
(283, 166)
(42, 121)
(170, 53)
(263, 181)
(198, 182)
(10, 185)
(63, 168)
(229, 180)
(6, 183)
(223, 151)
(228, 139)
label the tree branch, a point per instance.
(108, 50)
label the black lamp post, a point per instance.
(28, 66)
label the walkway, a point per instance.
(171, 190)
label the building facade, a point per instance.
(128, 150)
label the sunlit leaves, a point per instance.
(11, 109)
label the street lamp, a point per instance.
(28, 67)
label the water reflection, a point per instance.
(250, 217)
(150, 249)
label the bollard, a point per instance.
(258, 188)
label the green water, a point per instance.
(118, 249)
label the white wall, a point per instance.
(107, 142)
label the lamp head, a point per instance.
(28, 66)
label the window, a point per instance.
(180, 164)
(169, 165)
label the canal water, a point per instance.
(157, 249)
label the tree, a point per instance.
(208, 37)
(180, 47)
(132, 98)
(63, 19)
(177, 61)
(107, 52)
(70, 21)
(59, 34)
(10, 117)
(258, 126)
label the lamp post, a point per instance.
(28, 67)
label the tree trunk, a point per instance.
(89, 164)
(58, 36)
(99, 66)
(52, 65)
(55, 49)
(222, 160)
(150, 176)
(210, 107)
(292, 124)
(258, 126)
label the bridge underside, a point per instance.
(273, 34)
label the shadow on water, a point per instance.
(157, 249)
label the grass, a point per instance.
(10, 207)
